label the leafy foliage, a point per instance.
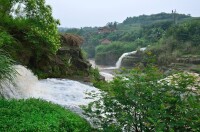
(138, 101)
(150, 28)
(180, 41)
(187, 31)
(145, 19)
(30, 21)
(6, 70)
(38, 115)
(43, 24)
(154, 32)
(28, 31)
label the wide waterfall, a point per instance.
(118, 63)
(64, 92)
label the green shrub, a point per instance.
(141, 100)
(117, 47)
(94, 73)
(5, 37)
(180, 40)
(28, 28)
(187, 31)
(38, 115)
(84, 54)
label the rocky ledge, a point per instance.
(68, 62)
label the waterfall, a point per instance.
(64, 92)
(21, 86)
(118, 63)
(107, 72)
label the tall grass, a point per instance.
(7, 71)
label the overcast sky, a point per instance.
(81, 13)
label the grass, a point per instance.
(6, 69)
(38, 115)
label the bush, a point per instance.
(138, 101)
(187, 31)
(38, 115)
(180, 40)
(27, 27)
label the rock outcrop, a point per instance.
(67, 62)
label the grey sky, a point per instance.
(81, 13)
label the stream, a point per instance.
(107, 72)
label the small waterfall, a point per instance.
(105, 71)
(64, 92)
(118, 63)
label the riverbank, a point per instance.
(107, 72)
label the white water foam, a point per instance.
(118, 63)
(108, 76)
(64, 92)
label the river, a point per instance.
(107, 72)
(67, 93)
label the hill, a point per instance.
(127, 31)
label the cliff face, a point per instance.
(35, 46)
(67, 62)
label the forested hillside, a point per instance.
(158, 90)
(132, 33)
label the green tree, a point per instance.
(34, 18)
(140, 100)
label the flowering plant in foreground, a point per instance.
(144, 101)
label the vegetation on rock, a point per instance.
(29, 36)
